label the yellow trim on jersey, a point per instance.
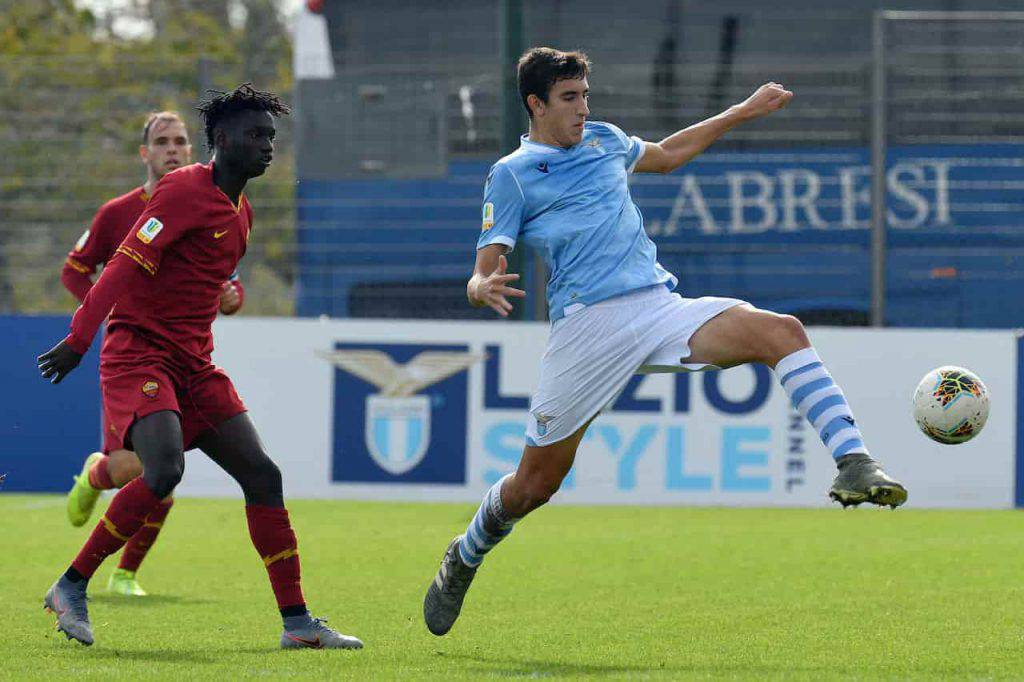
(138, 258)
(79, 267)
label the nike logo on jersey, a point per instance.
(543, 167)
(219, 234)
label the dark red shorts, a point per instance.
(202, 399)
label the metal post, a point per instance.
(513, 122)
(204, 82)
(513, 125)
(878, 175)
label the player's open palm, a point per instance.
(55, 363)
(494, 290)
(766, 99)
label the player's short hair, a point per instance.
(155, 116)
(243, 98)
(541, 67)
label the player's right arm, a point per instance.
(164, 221)
(504, 205)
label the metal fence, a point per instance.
(371, 207)
(953, 79)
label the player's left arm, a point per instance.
(680, 147)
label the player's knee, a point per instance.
(163, 477)
(779, 335)
(264, 484)
(789, 327)
(270, 475)
(790, 334)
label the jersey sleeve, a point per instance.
(94, 247)
(633, 146)
(503, 209)
(167, 218)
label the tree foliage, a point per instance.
(74, 97)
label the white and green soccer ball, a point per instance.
(951, 405)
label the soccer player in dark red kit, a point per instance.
(165, 147)
(161, 392)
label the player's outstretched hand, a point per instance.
(766, 99)
(55, 363)
(493, 290)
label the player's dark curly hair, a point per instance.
(244, 97)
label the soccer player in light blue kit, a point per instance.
(613, 313)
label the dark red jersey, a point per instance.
(187, 242)
(109, 227)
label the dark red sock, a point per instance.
(125, 515)
(136, 549)
(274, 539)
(99, 477)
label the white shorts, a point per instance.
(592, 354)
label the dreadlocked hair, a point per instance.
(244, 97)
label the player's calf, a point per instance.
(815, 394)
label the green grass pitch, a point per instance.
(575, 592)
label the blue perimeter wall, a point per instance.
(46, 431)
(1020, 422)
(957, 229)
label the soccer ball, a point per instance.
(951, 405)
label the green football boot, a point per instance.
(82, 496)
(861, 479)
(123, 582)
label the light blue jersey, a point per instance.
(574, 206)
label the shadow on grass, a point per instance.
(510, 666)
(157, 655)
(149, 601)
(212, 655)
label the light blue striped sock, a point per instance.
(817, 397)
(488, 527)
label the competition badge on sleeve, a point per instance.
(150, 230)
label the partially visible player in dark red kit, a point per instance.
(161, 392)
(165, 147)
